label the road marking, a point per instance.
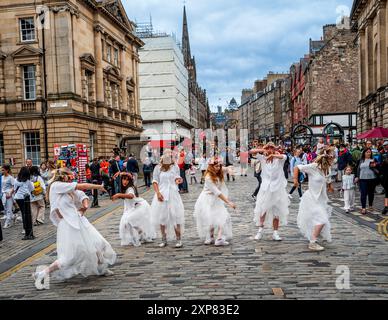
(46, 250)
(278, 292)
(368, 219)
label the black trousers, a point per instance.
(25, 208)
(147, 179)
(259, 180)
(95, 194)
(367, 189)
(1, 234)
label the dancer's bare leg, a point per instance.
(317, 231)
(276, 224)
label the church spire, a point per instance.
(186, 40)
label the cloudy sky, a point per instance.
(236, 42)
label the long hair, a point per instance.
(213, 174)
(58, 175)
(325, 160)
(24, 174)
(34, 171)
(130, 184)
(7, 168)
(363, 156)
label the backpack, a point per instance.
(38, 190)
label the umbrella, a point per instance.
(375, 133)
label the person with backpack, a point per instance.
(133, 167)
(37, 197)
(147, 171)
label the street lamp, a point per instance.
(42, 17)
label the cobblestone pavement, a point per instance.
(245, 270)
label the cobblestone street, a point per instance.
(244, 270)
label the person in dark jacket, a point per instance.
(384, 173)
(147, 171)
(133, 168)
(96, 179)
(344, 160)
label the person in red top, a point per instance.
(183, 187)
(88, 173)
(104, 167)
(244, 161)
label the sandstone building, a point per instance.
(370, 20)
(91, 56)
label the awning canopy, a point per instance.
(376, 133)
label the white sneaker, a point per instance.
(276, 237)
(19, 219)
(179, 244)
(24, 232)
(7, 225)
(137, 244)
(39, 277)
(290, 196)
(163, 244)
(108, 273)
(221, 243)
(3, 217)
(315, 247)
(209, 242)
(259, 235)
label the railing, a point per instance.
(28, 106)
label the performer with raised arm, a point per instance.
(210, 212)
(314, 211)
(272, 200)
(81, 249)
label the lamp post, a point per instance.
(42, 16)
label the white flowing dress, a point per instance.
(81, 249)
(170, 212)
(272, 199)
(136, 217)
(314, 209)
(210, 210)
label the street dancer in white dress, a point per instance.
(135, 225)
(167, 208)
(314, 211)
(272, 201)
(210, 212)
(81, 249)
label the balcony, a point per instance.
(28, 106)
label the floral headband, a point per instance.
(215, 160)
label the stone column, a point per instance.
(124, 93)
(39, 82)
(99, 71)
(18, 84)
(382, 53)
(369, 57)
(362, 64)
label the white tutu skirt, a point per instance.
(313, 213)
(210, 212)
(272, 205)
(136, 225)
(169, 213)
(82, 251)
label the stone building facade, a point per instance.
(92, 93)
(370, 21)
(332, 78)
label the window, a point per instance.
(116, 57)
(92, 140)
(1, 149)
(27, 29)
(32, 147)
(29, 82)
(89, 85)
(108, 53)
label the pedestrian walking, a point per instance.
(81, 249)
(183, 167)
(210, 213)
(168, 212)
(257, 174)
(272, 201)
(7, 189)
(203, 165)
(95, 170)
(192, 173)
(366, 177)
(314, 211)
(133, 167)
(296, 160)
(348, 187)
(147, 172)
(37, 197)
(135, 225)
(23, 188)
